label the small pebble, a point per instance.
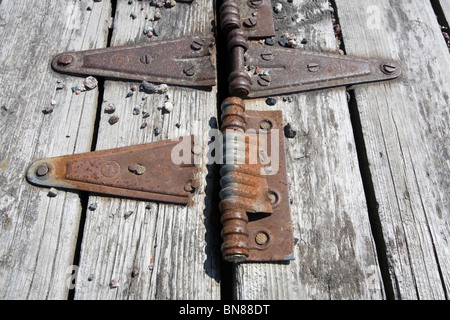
(304, 41)
(283, 41)
(129, 94)
(289, 132)
(144, 125)
(157, 15)
(90, 83)
(127, 214)
(91, 277)
(156, 32)
(133, 15)
(178, 125)
(145, 114)
(269, 41)
(113, 120)
(158, 130)
(78, 89)
(168, 107)
(93, 206)
(136, 111)
(135, 272)
(110, 108)
(52, 193)
(271, 101)
(47, 110)
(147, 30)
(278, 7)
(114, 284)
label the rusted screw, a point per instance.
(196, 45)
(265, 125)
(42, 170)
(255, 3)
(261, 238)
(267, 56)
(189, 71)
(388, 68)
(137, 169)
(274, 197)
(147, 59)
(65, 59)
(264, 80)
(313, 67)
(250, 22)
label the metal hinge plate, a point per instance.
(145, 172)
(271, 235)
(284, 71)
(187, 61)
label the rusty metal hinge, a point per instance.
(255, 210)
(146, 172)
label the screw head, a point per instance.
(262, 238)
(254, 3)
(264, 80)
(266, 125)
(388, 68)
(65, 59)
(137, 169)
(267, 56)
(196, 45)
(313, 67)
(146, 59)
(42, 170)
(189, 71)
(250, 22)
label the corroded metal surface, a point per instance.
(187, 61)
(140, 172)
(255, 215)
(287, 70)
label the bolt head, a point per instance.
(250, 22)
(42, 170)
(313, 67)
(264, 80)
(388, 68)
(65, 59)
(262, 238)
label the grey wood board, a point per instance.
(39, 233)
(445, 5)
(405, 125)
(335, 256)
(175, 249)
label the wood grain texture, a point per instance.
(39, 233)
(175, 248)
(405, 125)
(335, 255)
(446, 8)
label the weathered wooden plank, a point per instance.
(335, 254)
(39, 233)
(445, 5)
(174, 247)
(405, 125)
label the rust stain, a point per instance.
(4, 164)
